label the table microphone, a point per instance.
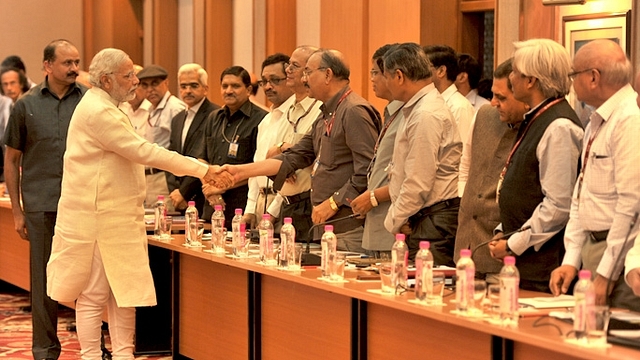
(312, 259)
(615, 263)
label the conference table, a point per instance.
(216, 307)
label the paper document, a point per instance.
(561, 301)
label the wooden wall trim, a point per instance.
(218, 42)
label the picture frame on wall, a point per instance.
(578, 30)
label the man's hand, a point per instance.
(219, 178)
(322, 212)
(20, 225)
(178, 200)
(213, 195)
(633, 279)
(498, 248)
(250, 219)
(274, 150)
(406, 229)
(600, 284)
(361, 205)
(561, 278)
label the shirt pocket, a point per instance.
(600, 175)
(41, 130)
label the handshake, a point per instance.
(219, 177)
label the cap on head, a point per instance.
(152, 71)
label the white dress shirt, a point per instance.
(476, 100)
(461, 109)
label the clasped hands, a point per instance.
(219, 177)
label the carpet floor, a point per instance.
(15, 328)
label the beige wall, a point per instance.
(27, 26)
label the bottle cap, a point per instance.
(400, 237)
(328, 228)
(424, 244)
(191, 203)
(218, 207)
(509, 260)
(243, 227)
(465, 253)
(160, 197)
(288, 220)
(266, 216)
(238, 211)
(584, 274)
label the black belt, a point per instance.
(598, 236)
(292, 199)
(439, 206)
(151, 171)
(268, 191)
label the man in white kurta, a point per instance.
(99, 252)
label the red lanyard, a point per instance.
(329, 124)
(586, 158)
(384, 129)
(517, 144)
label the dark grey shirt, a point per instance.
(343, 154)
(38, 128)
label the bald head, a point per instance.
(608, 57)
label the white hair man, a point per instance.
(608, 191)
(536, 182)
(94, 259)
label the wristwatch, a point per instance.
(506, 247)
(372, 197)
(280, 145)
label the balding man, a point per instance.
(536, 183)
(339, 148)
(607, 194)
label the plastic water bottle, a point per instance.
(399, 260)
(584, 311)
(235, 231)
(191, 224)
(287, 242)
(465, 275)
(328, 245)
(265, 229)
(160, 212)
(509, 283)
(218, 229)
(242, 250)
(424, 272)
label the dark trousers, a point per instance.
(44, 311)
(439, 228)
(300, 214)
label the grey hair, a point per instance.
(105, 63)
(203, 77)
(547, 61)
(410, 59)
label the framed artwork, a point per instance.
(580, 29)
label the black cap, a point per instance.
(152, 71)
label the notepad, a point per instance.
(561, 301)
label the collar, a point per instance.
(448, 92)
(164, 101)
(72, 88)
(284, 107)
(104, 95)
(245, 109)
(606, 110)
(330, 106)
(393, 106)
(197, 106)
(417, 96)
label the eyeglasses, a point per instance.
(193, 86)
(293, 66)
(572, 75)
(307, 72)
(272, 81)
(126, 76)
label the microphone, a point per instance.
(615, 263)
(504, 236)
(312, 259)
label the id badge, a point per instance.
(233, 150)
(315, 168)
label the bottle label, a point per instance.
(509, 295)
(323, 259)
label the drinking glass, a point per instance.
(479, 293)
(438, 289)
(297, 257)
(493, 293)
(385, 277)
(336, 273)
(598, 335)
(218, 240)
(165, 228)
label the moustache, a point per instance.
(72, 73)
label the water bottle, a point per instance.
(218, 229)
(509, 283)
(191, 224)
(236, 240)
(287, 242)
(465, 275)
(265, 229)
(424, 272)
(160, 212)
(584, 310)
(328, 245)
(242, 249)
(399, 260)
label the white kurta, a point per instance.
(103, 188)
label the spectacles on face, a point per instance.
(272, 81)
(293, 66)
(193, 86)
(573, 74)
(306, 72)
(127, 76)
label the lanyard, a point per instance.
(382, 133)
(295, 124)
(234, 137)
(517, 144)
(329, 124)
(586, 158)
